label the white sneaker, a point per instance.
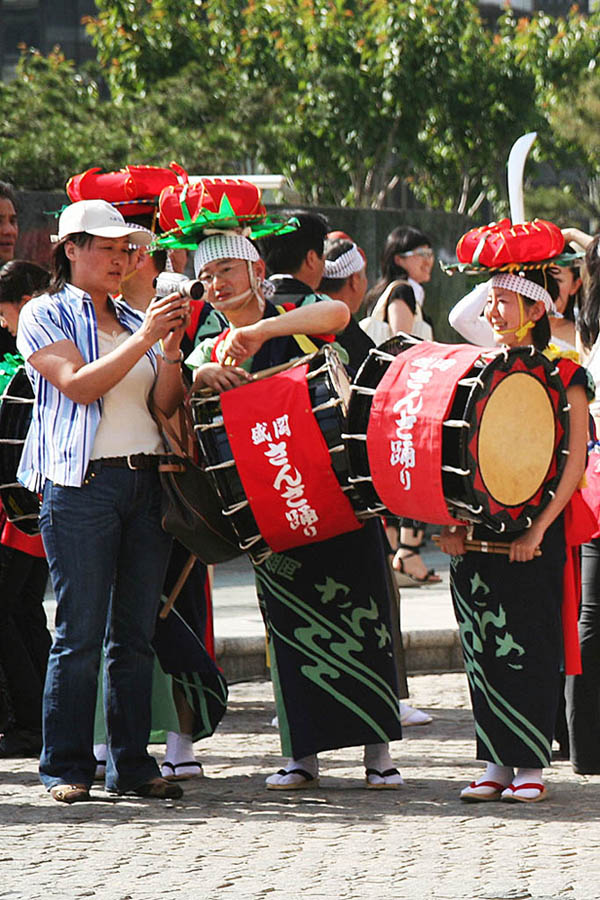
(411, 716)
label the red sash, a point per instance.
(580, 526)
(283, 462)
(26, 543)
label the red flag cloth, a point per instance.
(580, 526)
(283, 462)
(404, 434)
(11, 536)
(26, 543)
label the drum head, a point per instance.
(516, 439)
(514, 450)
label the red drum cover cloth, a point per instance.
(404, 434)
(206, 195)
(501, 243)
(283, 462)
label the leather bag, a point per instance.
(192, 511)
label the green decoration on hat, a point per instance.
(190, 232)
(564, 259)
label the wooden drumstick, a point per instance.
(485, 546)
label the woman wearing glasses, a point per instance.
(406, 265)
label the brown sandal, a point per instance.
(70, 793)
(430, 577)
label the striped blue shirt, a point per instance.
(61, 436)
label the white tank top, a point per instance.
(126, 425)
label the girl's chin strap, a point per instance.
(523, 326)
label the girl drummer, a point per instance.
(309, 595)
(93, 449)
(509, 607)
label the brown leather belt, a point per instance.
(133, 461)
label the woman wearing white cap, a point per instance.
(311, 596)
(509, 607)
(93, 450)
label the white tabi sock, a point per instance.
(377, 758)
(287, 777)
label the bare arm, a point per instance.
(524, 547)
(324, 317)
(399, 316)
(168, 391)
(576, 236)
(63, 365)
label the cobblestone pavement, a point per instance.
(230, 838)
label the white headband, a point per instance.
(223, 246)
(136, 227)
(521, 285)
(345, 265)
(229, 245)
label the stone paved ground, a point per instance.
(229, 838)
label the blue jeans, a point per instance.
(107, 555)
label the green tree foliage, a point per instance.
(561, 55)
(53, 124)
(347, 97)
(367, 93)
(140, 42)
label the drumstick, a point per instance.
(485, 546)
(178, 586)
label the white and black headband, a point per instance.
(228, 245)
(522, 285)
(345, 265)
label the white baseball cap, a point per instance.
(99, 218)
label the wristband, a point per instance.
(174, 362)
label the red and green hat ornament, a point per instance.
(190, 212)
(504, 247)
(186, 212)
(134, 190)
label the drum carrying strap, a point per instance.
(303, 341)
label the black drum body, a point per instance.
(22, 507)
(362, 392)
(504, 439)
(329, 391)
